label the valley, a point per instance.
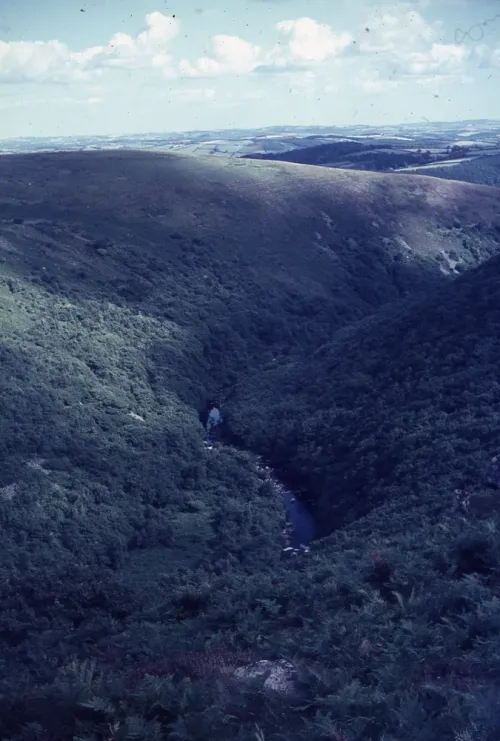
(348, 322)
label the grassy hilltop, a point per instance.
(350, 320)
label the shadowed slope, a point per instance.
(480, 170)
(400, 404)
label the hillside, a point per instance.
(397, 405)
(317, 154)
(381, 156)
(190, 239)
(480, 170)
(132, 287)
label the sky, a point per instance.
(83, 67)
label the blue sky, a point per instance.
(131, 66)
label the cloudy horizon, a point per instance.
(131, 66)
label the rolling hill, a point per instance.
(480, 170)
(384, 157)
(187, 239)
(381, 156)
(133, 286)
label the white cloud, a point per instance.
(311, 42)
(308, 43)
(440, 58)
(38, 61)
(94, 101)
(394, 31)
(53, 61)
(150, 48)
(485, 57)
(406, 45)
(230, 55)
(399, 38)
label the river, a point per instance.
(301, 529)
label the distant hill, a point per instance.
(326, 309)
(481, 170)
(319, 154)
(358, 155)
(386, 157)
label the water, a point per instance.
(301, 528)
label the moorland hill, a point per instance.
(132, 287)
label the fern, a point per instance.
(180, 731)
(135, 728)
(97, 705)
(259, 734)
(31, 731)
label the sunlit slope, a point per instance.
(331, 243)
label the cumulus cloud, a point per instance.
(53, 61)
(400, 39)
(394, 31)
(308, 43)
(150, 48)
(440, 58)
(230, 55)
(485, 57)
(406, 45)
(38, 61)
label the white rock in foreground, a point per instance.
(280, 675)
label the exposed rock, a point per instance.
(281, 675)
(37, 465)
(136, 416)
(9, 492)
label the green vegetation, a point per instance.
(392, 405)
(138, 569)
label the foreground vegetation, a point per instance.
(138, 569)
